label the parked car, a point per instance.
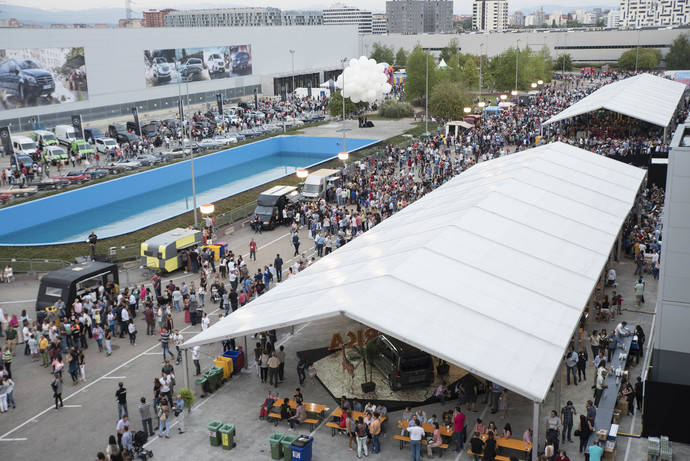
(66, 134)
(49, 184)
(126, 164)
(93, 171)
(106, 145)
(191, 69)
(26, 80)
(54, 154)
(401, 364)
(44, 138)
(82, 148)
(161, 70)
(115, 129)
(126, 138)
(240, 62)
(20, 159)
(23, 145)
(74, 177)
(147, 160)
(91, 134)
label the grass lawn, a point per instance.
(132, 240)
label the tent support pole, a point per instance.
(557, 405)
(535, 430)
(186, 368)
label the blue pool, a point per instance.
(126, 204)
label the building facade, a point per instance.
(654, 13)
(156, 18)
(114, 89)
(613, 19)
(405, 16)
(379, 24)
(225, 17)
(302, 18)
(438, 16)
(339, 14)
(516, 19)
(489, 15)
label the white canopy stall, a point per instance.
(506, 254)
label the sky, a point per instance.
(460, 6)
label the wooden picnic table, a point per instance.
(338, 412)
(308, 406)
(429, 428)
(513, 444)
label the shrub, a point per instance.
(395, 109)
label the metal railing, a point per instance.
(31, 266)
(124, 252)
(236, 214)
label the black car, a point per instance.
(115, 129)
(25, 79)
(402, 364)
(94, 172)
(240, 62)
(126, 138)
(191, 69)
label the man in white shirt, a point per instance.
(416, 434)
(205, 322)
(621, 329)
(611, 277)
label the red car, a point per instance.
(4, 197)
(74, 177)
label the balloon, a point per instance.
(365, 80)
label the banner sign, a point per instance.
(6, 140)
(76, 124)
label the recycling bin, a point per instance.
(276, 449)
(212, 380)
(218, 373)
(237, 359)
(301, 448)
(226, 364)
(213, 434)
(285, 444)
(201, 386)
(227, 436)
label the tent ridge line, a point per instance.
(549, 159)
(510, 282)
(571, 199)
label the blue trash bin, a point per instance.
(236, 361)
(301, 448)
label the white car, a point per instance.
(161, 70)
(215, 64)
(226, 140)
(210, 143)
(106, 145)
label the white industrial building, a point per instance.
(116, 69)
(489, 15)
(339, 14)
(646, 13)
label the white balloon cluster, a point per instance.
(365, 80)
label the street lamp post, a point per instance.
(188, 132)
(517, 55)
(344, 60)
(481, 58)
(292, 55)
(426, 99)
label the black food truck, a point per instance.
(71, 281)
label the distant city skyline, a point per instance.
(377, 6)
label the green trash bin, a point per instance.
(213, 432)
(212, 381)
(202, 386)
(227, 436)
(285, 444)
(218, 372)
(276, 450)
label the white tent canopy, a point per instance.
(490, 272)
(645, 97)
(442, 64)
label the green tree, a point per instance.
(401, 58)
(678, 56)
(646, 58)
(469, 72)
(450, 52)
(382, 53)
(447, 100)
(335, 105)
(415, 83)
(563, 62)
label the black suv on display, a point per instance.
(191, 70)
(240, 62)
(402, 364)
(25, 79)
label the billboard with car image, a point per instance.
(32, 77)
(180, 65)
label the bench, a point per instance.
(276, 417)
(312, 423)
(496, 458)
(404, 439)
(335, 428)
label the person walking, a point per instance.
(165, 343)
(7, 360)
(571, 360)
(295, 243)
(56, 387)
(567, 415)
(416, 434)
(132, 330)
(361, 434)
(459, 429)
(301, 370)
(278, 264)
(121, 397)
(375, 431)
(163, 416)
(145, 413)
(252, 250)
(281, 367)
(196, 355)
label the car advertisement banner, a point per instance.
(183, 65)
(219, 100)
(32, 77)
(6, 141)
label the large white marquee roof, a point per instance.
(490, 272)
(645, 97)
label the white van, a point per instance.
(317, 182)
(66, 134)
(23, 145)
(44, 138)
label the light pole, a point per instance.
(191, 162)
(426, 99)
(481, 57)
(517, 56)
(637, 49)
(292, 56)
